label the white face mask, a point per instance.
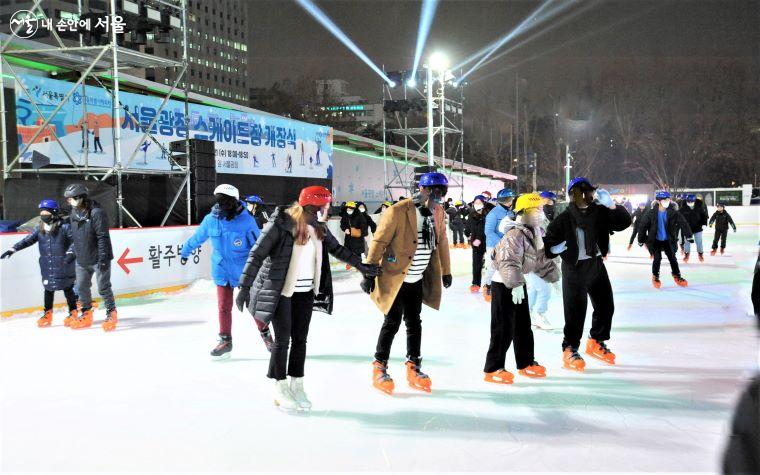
(350, 211)
(665, 203)
(478, 206)
(75, 202)
(361, 210)
(250, 207)
(690, 204)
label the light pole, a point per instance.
(437, 62)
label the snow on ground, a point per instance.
(148, 396)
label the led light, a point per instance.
(438, 61)
(411, 83)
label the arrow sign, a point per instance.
(123, 260)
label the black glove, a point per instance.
(370, 270)
(7, 253)
(69, 257)
(691, 240)
(183, 260)
(104, 266)
(446, 281)
(243, 297)
(368, 285)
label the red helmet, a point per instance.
(314, 195)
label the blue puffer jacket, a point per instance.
(56, 255)
(231, 241)
(493, 218)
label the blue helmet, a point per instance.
(254, 199)
(51, 205)
(691, 198)
(548, 195)
(662, 195)
(505, 193)
(579, 180)
(481, 198)
(434, 179)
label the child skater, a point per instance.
(722, 219)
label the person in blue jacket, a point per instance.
(504, 199)
(53, 238)
(233, 232)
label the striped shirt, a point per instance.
(306, 267)
(422, 255)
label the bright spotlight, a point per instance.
(426, 20)
(455, 84)
(411, 83)
(391, 84)
(438, 61)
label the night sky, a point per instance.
(287, 43)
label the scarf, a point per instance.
(586, 221)
(428, 227)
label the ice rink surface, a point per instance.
(148, 397)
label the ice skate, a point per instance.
(572, 360)
(46, 319)
(111, 320)
(722, 251)
(541, 322)
(501, 376)
(296, 389)
(474, 289)
(686, 258)
(380, 378)
(630, 246)
(85, 321)
(70, 318)
(680, 281)
(266, 335)
(486, 292)
(656, 281)
(598, 350)
(713, 252)
(416, 378)
(283, 398)
(222, 350)
(535, 370)
(348, 266)
(701, 257)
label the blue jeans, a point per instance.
(698, 240)
(538, 293)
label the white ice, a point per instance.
(148, 396)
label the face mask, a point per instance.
(349, 212)
(477, 206)
(665, 203)
(75, 202)
(46, 218)
(250, 208)
(226, 203)
(690, 205)
(323, 214)
(362, 210)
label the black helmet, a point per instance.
(75, 190)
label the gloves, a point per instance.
(104, 266)
(476, 243)
(604, 198)
(518, 295)
(559, 248)
(69, 258)
(368, 285)
(243, 297)
(7, 253)
(348, 231)
(370, 270)
(557, 287)
(183, 260)
(691, 240)
(446, 281)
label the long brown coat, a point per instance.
(396, 236)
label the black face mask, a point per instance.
(47, 218)
(226, 203)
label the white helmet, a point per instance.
(229, 190)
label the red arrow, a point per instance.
(123, 261)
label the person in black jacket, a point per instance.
(53, 238)
(475, 230)
(257, 209)
(581, 236)
(356, 228)
(659, 230)
(456, 224)
(287, 275)
(363, 210)
(637, 215)
(695, 213)
(92, 246)
(722, 219)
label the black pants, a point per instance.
(96, 144)
(664, 246)
(408, 304)
(355, 245)
(291, 324)
(720, 235)
(458, 232)
(478, 255)
(71, 298)
(509, 322)
(634, 232)
(756, 294)
(587, 279)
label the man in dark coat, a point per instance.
(695, 213)
(637, 215)
(659, 230)
(581, 236)
(92, 246)
(356, 228)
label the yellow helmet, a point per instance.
(388, 203)
(351, 204)
(527, 201)
(457, 203)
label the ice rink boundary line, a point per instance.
(128, 295)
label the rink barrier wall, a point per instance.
(146, 261)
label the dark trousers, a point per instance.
(71, 298)
(509, 322)
(224, 306)
(291, 327)
(587, 279)
(458, 232)
(667, 247)
(756, 294)
(634, 232)
(720, 235)
(478, 261)
(96, 144)
(408, 305)
(84, 285)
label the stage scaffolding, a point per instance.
(102, 64)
